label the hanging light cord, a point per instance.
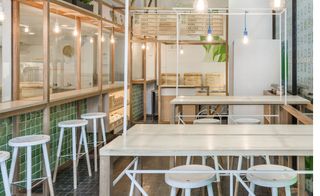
(245, 21)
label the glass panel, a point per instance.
(137, 65)
(62, 54)
(106, 63)
(119, 57)
(31, 52)
(150, 61)
(89, 51)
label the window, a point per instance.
(106, 63)
(119, 57)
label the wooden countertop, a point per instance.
(238, 100)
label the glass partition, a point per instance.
(89, 55)
(31, 52)
(150, 61)
(62, 54)
(106, 57)
(119, 57)
(137, 61)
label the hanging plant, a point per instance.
(215, 53)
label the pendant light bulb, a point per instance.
(181, 51)
(200, 5)
(102, 38)
(91, 40)
(26, 29)
(209, 36)
(112, 39)
(2, 17)
(56, 28)
(75, 33)
(245, 37)
(277, 3)
(143, 46)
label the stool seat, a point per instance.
(247, 121)
(4, 156)
(206, 121)
(272, 180)
(29, 140)
(189, 181)
(93, 115)
(72, 123)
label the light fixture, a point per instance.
(102, 38)
(148, 47)
(245, 32)
(91, 40)
(31, 33)
(200, 5)
(112, 39)
(277, 3)
(2, 17)
(56, 28)
(26, 29)
(209, 36)
(143, 46)
(181, 50)
(75, 32)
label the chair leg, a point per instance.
(288, 191)
(74, 157)
(188, 192)
(216, 166)
(5, 179)
(86, 149)
(236, 189)
(268, 159)
(251, 161)
(188, 161)
(29, 171)
(204, 160)
(13, 164)
(210, 190)
(47, 167)
(274, 191)
(103, 129)
(58, 155)
(173, 191)
(135, 167)
(252, 187)
(95, 145)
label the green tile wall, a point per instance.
(5, 136)
(137, 102)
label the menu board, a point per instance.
(165, 24)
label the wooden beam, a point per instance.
(15, 50)
(298, 115)
(150, 2)
(113, 45)
(46, 52)
(99, 56)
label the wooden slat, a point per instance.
(15, 50)
(46, 52)
(298, 115)
(78, 53)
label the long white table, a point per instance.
(234, 100)
(206, 140)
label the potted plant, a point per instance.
(85, 4)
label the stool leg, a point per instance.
(58, 154)
(173, 191)
(210, 190)
(86, 148)
(188, 192)
(103, 129)
(5, 179)
(135, 167)
(47, 167)
(188, 161)
(74, 157)
(251, 161)
(274, 191)
(252, 187)
(13, 164)
(216, 165)
(288, 191)
(204, 160)
(236, 189)
(29, 171)
(79, 148)
(268, 160)
(95, 144)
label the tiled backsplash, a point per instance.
(137, 102)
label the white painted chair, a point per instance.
(272, 180)
(190, 181)
(73, 124)
(28, 142)
(4, 156)
(96, 116)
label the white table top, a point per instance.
(166, 129)
(183, 144)
(239, 100)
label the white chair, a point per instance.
(96, 116)
(28, 142)
(272, 180)
(247, 121)
(203, 121)
(4, 156)
(190, 181)
(73, 124)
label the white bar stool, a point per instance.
(207, 121)
(272, 180)
(73, 124)
(28, 142)
(190, 181)
(96, 116)
(3, 157)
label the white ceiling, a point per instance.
(182, 3)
